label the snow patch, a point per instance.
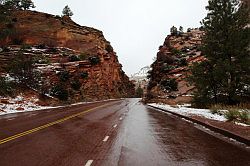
(24, 107)
(242, 124)
(20, 104)
(183, 110)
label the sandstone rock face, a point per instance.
(172, 63)
(41, 28)
(68, 47)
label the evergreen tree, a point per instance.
(15, 4)
(5, 10)
(67, 11)
(27, 4)
(181, 29)
(23, 70)
(189, 30)
(139, 92)
(173, 30)
(225, 74)
(6, 7)
(20, 4)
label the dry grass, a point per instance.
(236, 113)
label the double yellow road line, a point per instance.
(46, 125)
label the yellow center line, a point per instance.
(2, 141)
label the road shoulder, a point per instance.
(236, 132)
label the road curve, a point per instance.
(123, 133)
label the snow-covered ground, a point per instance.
(184, 110)
(20, 104)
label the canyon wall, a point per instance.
(62, 46)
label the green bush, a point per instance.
(244, 117)
(41, 60)
(26, 46)
(139, 92)
(60, 92)
(64, 76)
(166, 68)
(150, 96)
(6, 87)
(151, 84)
(149, 74)
(183, 62)
(41, 46)
(74, 58)
(176, 51)
(232, 114)
(169, 84)
(94, 60)
(173, 30)
(52, 50)
(22, 69)
(83, 56)
(84, 75)
(6, 49)
(17, 41)
(214, 109)
(76, 85)
(57, 17)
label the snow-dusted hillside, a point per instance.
(140, 78)
(142, 74)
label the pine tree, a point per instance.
(22, 69)
(15, 4)
(27, 4)
(67, 11)
(181, 29)
(5, 10)
(139, 92)
(19, 4)
(226, 72)
(173, 30)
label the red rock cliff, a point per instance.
(104, 80)
(169, 71)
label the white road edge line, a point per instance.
(115, 126)
(89, 163)
(106, 138)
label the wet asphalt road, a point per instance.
(123, 132)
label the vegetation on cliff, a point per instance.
(167, 77)
(209, 64)
(224, 77)
(67, 11)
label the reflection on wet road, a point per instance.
(124, 133)
(150, 137)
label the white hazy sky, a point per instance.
(135, 28)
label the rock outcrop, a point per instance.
(169, 71)
(62, 46)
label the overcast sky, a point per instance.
(135, 28)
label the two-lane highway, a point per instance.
(123, 132)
